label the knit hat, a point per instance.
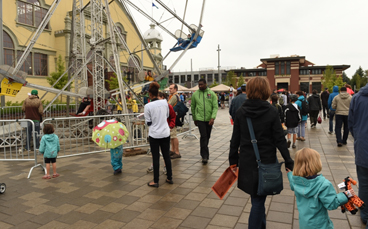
(34, 92)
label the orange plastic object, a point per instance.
(224, 183)
(231, 121)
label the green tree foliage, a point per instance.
(60, 69)
(345, 78)
(240, 81)
(330, 79)
(359, 79)
(214, 84)
(230, 78)
(114, 83)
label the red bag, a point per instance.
(224, 183)
(319, 119)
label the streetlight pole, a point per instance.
(219, 71)
(1, 46)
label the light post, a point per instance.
(309, 82)
(219, 71)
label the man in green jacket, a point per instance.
(204, 110)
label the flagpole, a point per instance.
(152, 8)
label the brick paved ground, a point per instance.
(87, 195)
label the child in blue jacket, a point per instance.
(314, 193)
(49, 147)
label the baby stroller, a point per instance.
(2, 188)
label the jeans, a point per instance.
(363, 191)
(164, 144)
(330, 127)
(30, 135)
(325, 111)
(301, 129)
(341, 119)
(257, 216)
(205, 131)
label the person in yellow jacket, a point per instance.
(134, 106)
(119, 108)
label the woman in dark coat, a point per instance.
(314, 108)
(269, 135)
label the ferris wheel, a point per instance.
(13, 79)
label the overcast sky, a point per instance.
(325, 32)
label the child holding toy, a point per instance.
(314, 193)
(49, 147)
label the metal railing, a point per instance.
(15, 112)
(18, 141)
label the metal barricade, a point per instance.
(19, 141)
(56, 110)
(75, 133)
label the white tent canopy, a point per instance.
(180, 88)
(221, 87)
(194, 88)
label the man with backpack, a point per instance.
(335, 92)
(173, 101)
(304, 111)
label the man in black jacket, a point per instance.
(314, 108)
(324, 97)
(238, 101)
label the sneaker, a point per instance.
(344, 143)
(339, 144)
(171, 153)
(294, 146)
(150, 169)
(289, 143)
(117, 171)
(302, 139)
(298, 138)
(204, 161)
(165, 172)
(175, 156)
(329, 132)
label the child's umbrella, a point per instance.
(110, 134)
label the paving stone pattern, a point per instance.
(88, 195)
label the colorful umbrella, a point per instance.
(281, 90)
(110, 134)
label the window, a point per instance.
(264, 73)
(189, 78)
(170, 78)
(304, 72)
(40, 64)
(216, 78)
(277, 68)
(176, 79)
(288, 68)
(316, 71)
(196, 78)
(8, 50)
(122, 33)
(316, 86)
(282, 68)
(27, 65)
(31, 13)
(182, 78)
(209, 78)
(133, 69)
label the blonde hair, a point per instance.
(307, 163)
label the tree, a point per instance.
(240, 81)
(330, 79)
(214, 84)
(60, 69)
(345, 78)
(114, 83)
(230, 78)
(359, 78)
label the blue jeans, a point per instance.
(116, 158)
(257, 216)
(363, 191)
(341, 119)
(30, 135)
(330, 127)
(301, 129)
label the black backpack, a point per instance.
(305, 108)
(180, 111)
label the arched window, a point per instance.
(8, 50)
(122, 33)
(31, 13)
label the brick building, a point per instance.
(292, 73)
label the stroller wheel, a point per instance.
(2, 188)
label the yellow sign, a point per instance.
(9, 89)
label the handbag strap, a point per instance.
(253, 140)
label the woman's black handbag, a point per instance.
(269, 175)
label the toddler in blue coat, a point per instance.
(49, 147)
(117, 159)
(314, 193)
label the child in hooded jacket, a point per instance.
(314, 193)
(49, 147)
